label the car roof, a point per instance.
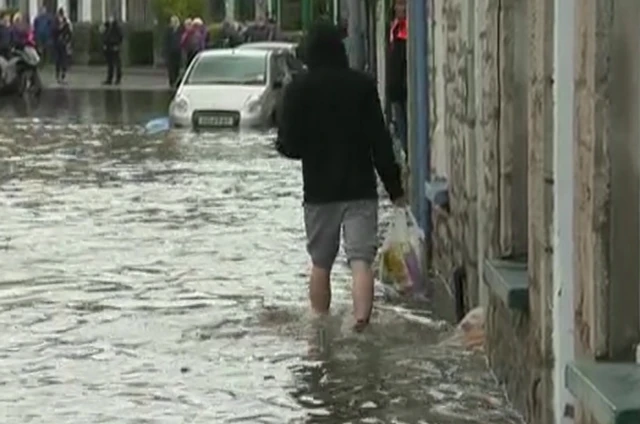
(234, 52)
(267, 45)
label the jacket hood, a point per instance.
(324, 47)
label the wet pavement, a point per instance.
(91, 78)
(162, 280)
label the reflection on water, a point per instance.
(162, 280)
(110, 106)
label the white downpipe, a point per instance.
(563, 142)
(123, 10)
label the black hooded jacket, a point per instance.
(332, 120)
(112, 37)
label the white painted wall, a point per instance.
(563, 166)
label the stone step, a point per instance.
(610, 391)
(508, 280)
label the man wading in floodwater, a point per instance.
(332, 120)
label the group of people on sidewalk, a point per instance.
(183, 41)
(52, 35)
(17, 33)
(13, 35)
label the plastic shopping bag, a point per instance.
(403, 261)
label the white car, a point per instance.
(230, 88)
(269, 45)
(291, 50)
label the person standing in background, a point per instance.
(189, 41)
(42, 26)
(172, 50)
(202, 34)
(111, 42)
(397, 73)
(231, 34)
(260, 30)
(61, 36)
(5, 42)
(20, 32)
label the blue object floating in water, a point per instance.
(157, 125)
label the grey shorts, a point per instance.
(356, 220)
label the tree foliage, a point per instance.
(164, 9)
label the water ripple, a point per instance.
(162, 280)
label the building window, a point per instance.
(96, 10)
(72, 13)
(50, 5)
(323, 8)
(114, 8)
(246, 10)
(291, 15)
(217, 10)
(140, 11)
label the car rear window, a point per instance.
(231, 69)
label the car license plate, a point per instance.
(215, 121)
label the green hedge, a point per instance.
(10, 11)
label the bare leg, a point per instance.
(320, 290)
(362, 292)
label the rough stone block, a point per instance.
(516, 360)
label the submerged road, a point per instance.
(162, 280)
(91, 78)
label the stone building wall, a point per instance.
(592, 184)
(496, 123)
(492, 81)
(519, 342)
(452, 92)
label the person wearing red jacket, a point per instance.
(397, 72)
(190, 41)
(21, 33)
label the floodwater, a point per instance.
(162, 280)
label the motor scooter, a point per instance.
(19, 74)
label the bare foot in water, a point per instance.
(360, 325)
